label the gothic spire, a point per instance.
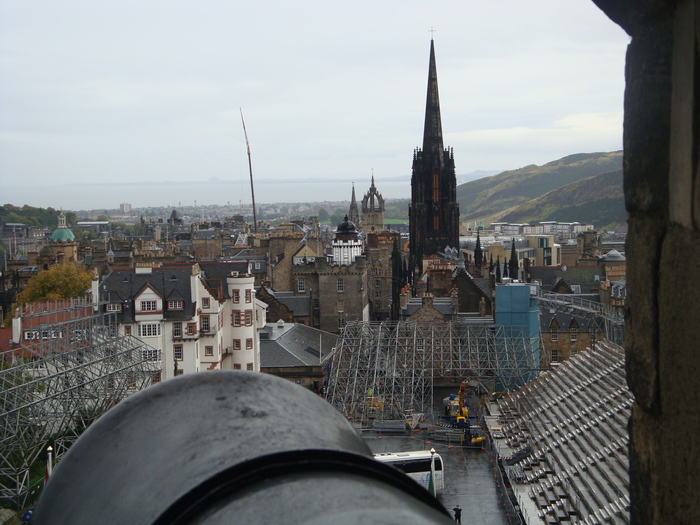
(354, 213)
(432, 133)
(478, 256)
(513, 263)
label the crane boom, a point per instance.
(250, 168)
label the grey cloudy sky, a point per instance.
(145, 90)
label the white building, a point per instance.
(197, 317)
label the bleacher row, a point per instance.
(568, 433)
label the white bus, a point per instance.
(416, 465)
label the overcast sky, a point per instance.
(150, 90)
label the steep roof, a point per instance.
(299, 305)
(586, 277)
(293, 345)
(123, 285)
(432, 132)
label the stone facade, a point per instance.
(661, 140)
(372, 211)
(379, 252)
(339, 292)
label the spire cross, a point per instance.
(432, 32)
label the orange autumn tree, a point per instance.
(63, 281)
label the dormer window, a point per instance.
(114, 307)
(176, 304)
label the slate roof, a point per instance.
(441, 304)
(293, 345)
(123, 285)
(587, 277)
(563, 319)
(299, 305)
(215, 274)
(204, 234)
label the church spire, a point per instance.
(354, 213)
(432, 132)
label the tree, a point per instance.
(63, 281)
(323, 215)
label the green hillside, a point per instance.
(598, 200)
(494, 198)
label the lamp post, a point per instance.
(49, 463)
(431, 484)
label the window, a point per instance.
(436, 187)
(155, 377)
(177, 352)
(248, 296)
(236, 366)
(236, 344)
(249, 367)
(248, 344)
(209, 350)
(301, 285)
(555, 355)
(341, 322)
(149, 306)
(236, 318)
(114, 307)
(341, 306)
(573, 334)
(150, 354)
(205, 302)
(175, 305)
(574, 351)
(149, 329)
(436, 223)
(554, 334)
(204, 319)
(191, 328)
(177, 329)
(236, 296)
(420, 343)
(127, 330)
(341, 285)
(249, 317)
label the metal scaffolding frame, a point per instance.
(73, 372)
(605, 319)
(388, 370)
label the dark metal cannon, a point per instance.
(228, 447)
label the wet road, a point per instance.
(469, 480)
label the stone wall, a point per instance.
(661, 193)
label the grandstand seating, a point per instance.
(574, 421)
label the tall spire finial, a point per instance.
(432, 33)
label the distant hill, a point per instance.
(586, 187)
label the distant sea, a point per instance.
(175, 194)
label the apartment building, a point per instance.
(197, 317)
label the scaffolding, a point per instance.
(388, 371)
(606, 319)
(69, 373)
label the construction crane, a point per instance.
(250, 168)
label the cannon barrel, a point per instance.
(228, 447)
